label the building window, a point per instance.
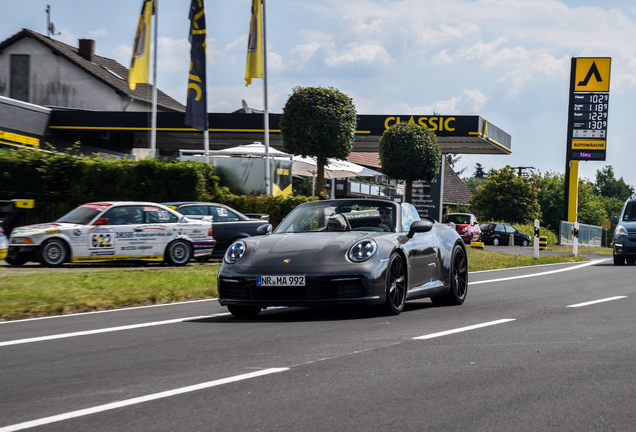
(19, 77)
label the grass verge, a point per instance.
(479, 259)
(35, 293)
(42, 293)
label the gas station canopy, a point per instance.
(460, 134)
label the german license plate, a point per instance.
(280, 280)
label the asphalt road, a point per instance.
(548, 348)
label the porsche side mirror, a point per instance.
(101, 221)
(264, 229)
(420, 226)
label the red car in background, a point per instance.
(466, 226)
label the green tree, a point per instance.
(409, 152)
(451, 160)
(479, 171)
(608, 186)
(550, 199)
(472, 183)
(591, 209)
(505, 197)
(319, 122)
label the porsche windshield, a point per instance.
(378, 216)
(81, 216)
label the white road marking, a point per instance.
(137, 400)
(106, 311)
(597, 301)
(539, 274)
(107, 330)
(463, 329)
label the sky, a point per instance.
(505, 60)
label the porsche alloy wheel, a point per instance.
(396, 286)
(458, 280)
(179, 253)
(53, 253)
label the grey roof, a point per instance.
(455, 191)
(101, 68)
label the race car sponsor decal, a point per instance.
(150, 209)
(97, 206)
(221, 211)
(101, 229)
(125, 235)
(140, 247)
(102, 253)
(101, 241)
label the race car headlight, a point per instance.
(363, 250)
(621, 230)
(234, 252)
(21, 240)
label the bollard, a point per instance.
(535, 242)
(543, 242)
(575, 238)
(511, 240)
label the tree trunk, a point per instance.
(320, 179)
(408, 191)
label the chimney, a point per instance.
(87, 49)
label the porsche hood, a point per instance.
(273, 250)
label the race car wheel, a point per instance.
(458, 280)
(53, 253)
(395, 286)
(244, 311)
(15, 261)
(179, 253)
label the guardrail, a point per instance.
(589, 235)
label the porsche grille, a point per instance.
(316, 288)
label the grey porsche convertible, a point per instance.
(345, 251)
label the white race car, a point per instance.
(113, 231)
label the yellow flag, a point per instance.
(254, 45)
(140, 63)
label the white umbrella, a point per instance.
(307, 166)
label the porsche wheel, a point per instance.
(396, 286)
(244, 311)
(179, 253)
(458, 280)
(53, 253)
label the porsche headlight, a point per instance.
(621, 230)
(235, 252)
(363, 250)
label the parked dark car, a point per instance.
(345, 251)
(625, 233)
(499, 234)
(466, 226)
(228, 224)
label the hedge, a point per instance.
(59, 182)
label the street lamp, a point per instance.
(535, 187)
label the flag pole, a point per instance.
(153, 132)
(266, 110)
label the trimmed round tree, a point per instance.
(319, 122)
(409, 152)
